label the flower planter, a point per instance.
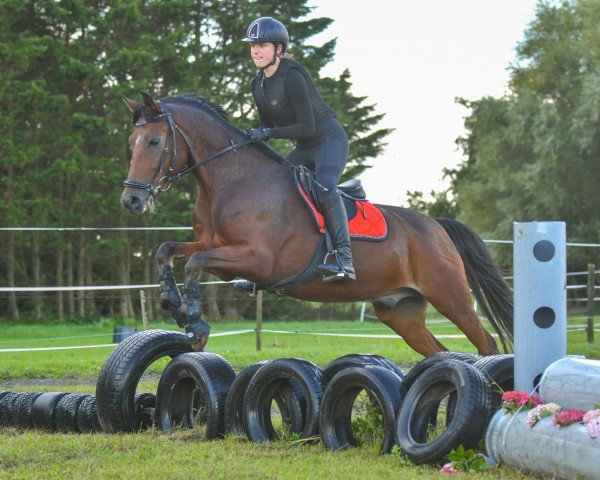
(563, 452)
(572, 383)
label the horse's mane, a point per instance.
(196, 100)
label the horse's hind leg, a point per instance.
(407, 318)
(450, 295)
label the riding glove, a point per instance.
(258, 134)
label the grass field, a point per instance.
(239, 349)
(154, 454)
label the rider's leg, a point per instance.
(330, 162)
(336, 222)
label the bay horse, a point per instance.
(249, 222)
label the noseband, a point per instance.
(164, 182)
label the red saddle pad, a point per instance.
(368, 223)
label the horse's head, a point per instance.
(154, 156)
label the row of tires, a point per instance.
(50, 411)
(444, 401)
(63, 412)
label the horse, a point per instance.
(249, 222)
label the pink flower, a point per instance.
(514, 400)
(448, 468)
(568, 417)
(592, 423)
(542, 411)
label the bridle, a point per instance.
(164, 183)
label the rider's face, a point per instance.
(262, 53)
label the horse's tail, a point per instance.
(494, 296)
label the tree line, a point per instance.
(64, 129)
(534, 153)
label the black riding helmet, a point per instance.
(267, 29)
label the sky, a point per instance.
(412, 59)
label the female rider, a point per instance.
(289, 106)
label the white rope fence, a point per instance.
(133, 229)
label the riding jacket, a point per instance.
(290, 106)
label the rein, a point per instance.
(165, 182)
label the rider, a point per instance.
(289, 106)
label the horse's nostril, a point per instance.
(132, 203)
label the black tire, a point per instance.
(466, 357)
(65, 414)
(5, 409)
(434, 359)
(117, 383)
(500, 372)
(145, 405)
(357, 360)
(3, 393)
(87, 416)
(8, 405)
(95, 417)
(469, 421)
(191, 392)
(44, 409)
(83, 416)
(23, 417)
(381, 384)
(290, 401)
(271, 378)
(234, 402)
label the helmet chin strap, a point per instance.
(275, 55)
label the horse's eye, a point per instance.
(154, 141)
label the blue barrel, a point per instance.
(561, 452)
(572, 383)
(121, 333)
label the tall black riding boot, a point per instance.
(336, 222)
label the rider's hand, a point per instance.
(258, 134)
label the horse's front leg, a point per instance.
(170, 296)
(228, 260)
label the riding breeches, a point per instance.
(327, 158)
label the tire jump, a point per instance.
(281, 399)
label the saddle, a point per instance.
(365, 220)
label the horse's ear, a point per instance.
(151, 103)
(131, 104)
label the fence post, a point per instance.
(143, 310)
(259, 319)
(362, 312)
(590, 301)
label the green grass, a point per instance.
(180, 455)
(153, 454)
(240, 350)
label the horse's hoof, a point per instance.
(200, 344)
(197, 334)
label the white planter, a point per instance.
(572, 383)
(563, 452)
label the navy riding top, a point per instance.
(289, 104)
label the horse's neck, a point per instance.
(248, 171)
